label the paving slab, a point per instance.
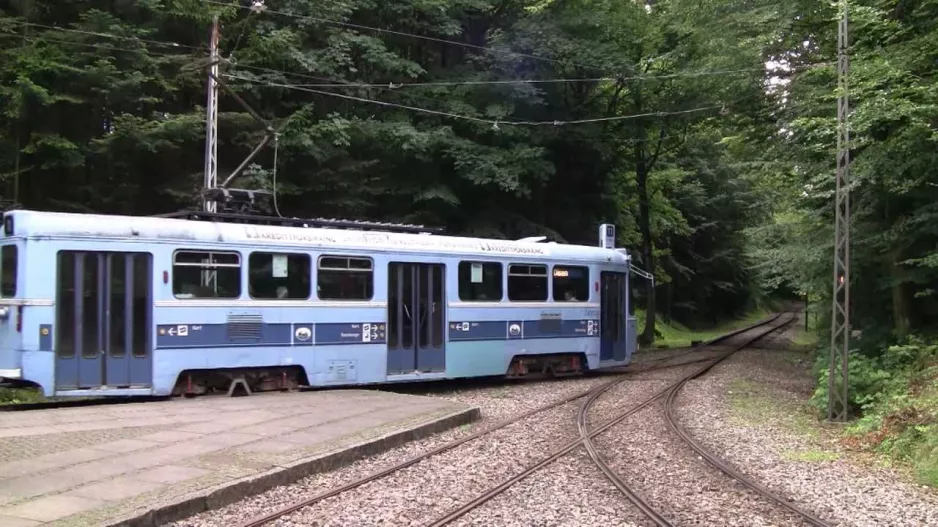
(145, 464)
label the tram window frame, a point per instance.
(298, 265)
(521, 271)
(335, 269)
(8, 287)
(582, 288)
(209, 262)
(470, 291)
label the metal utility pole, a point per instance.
(209, 276)
(837, 381)
(211, 119)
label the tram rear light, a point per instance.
(165, 277)
(596, 286)
(19, 319)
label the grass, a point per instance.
(810, 456)
(749, 403)
(20, 396)
(805, 339)
(676, 335)
(502, 393)
(755, 404)
(900, 423)
(10, 396)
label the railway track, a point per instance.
(636, 367)
(670, 394)
(661, 363)
(718, 463)
(590, 396)
(78, 403)
(586, 436)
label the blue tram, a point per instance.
(118, 305)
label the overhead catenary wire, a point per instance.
(493, 122)
(504, 120)
(97, 45)
(342, 83)
(438, 40)
(362, 27)
(404, 84)
(392, 84)
(110, 35)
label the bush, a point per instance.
(896, 395)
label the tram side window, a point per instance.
(571, 283)
(480, 281)
(205, 274)
(527, 283)
(8, 270)
(345, 278)
(279, 276)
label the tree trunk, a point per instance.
(901, 301)
(644, 225)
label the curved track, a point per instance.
(79, 403)
(586, 434)
(293, 507)
(646, 508)
(722, 465)
(417, 388)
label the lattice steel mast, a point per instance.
(837, 383)
(211, 120)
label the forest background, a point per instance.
(704, 129)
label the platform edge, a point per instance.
(231, 492)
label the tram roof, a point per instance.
(29, 223)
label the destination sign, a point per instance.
(389, 240)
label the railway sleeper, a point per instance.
(552, 365)
(239, 381)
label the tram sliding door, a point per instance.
(612, 316)
(416, 318)
(103, 320)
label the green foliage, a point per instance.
(893, 89)
(898, 394)
(895, 188)
(19, 396)
(673, 334)
(104, 114)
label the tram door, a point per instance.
(103, 320)
(416, 318)
(612, 316)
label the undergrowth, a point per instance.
(20, 396)
(673, 334)
(897, 395)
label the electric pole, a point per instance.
(838, 376)
(211, 119)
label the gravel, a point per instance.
(671, 477)
(749, 411)
(430, 487)
(572, 492)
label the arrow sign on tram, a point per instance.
(172, 332)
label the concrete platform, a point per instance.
(145, 464)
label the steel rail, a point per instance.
(306, 502)
(570, 446)
(641, 503)
(295, 506)
(722, 465)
